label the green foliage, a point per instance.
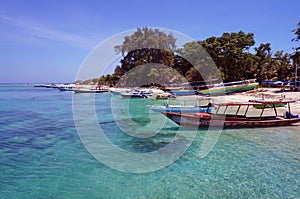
(147, 51)
(148, 74)
(282, 66)
(93, 81)
(201, 63)
(264, 61)
(297, 32)
(229, 53)
(146, 38)
(296, 55)
(108, 80)
(147, 46)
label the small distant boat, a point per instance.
(118, 91)
(46, 85)
(236, 119)
(183, 92)
(147, 93)
(40, 85)
(230, 87)
(163, 96)
(136, 94)
(180, 90)
(65, 88)
(85, 90)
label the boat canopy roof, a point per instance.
(193, 99)
(264, 101)
(254, 102)
(236, 103)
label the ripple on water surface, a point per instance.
(42, 156)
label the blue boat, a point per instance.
(183, 92)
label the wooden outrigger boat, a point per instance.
(238, 118)
(183, 92)
(182, 105)
(230, 87)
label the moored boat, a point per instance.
(136, 94)
(184, 106)
(85, 90)
(238, 118)
(118, 91)
(46, 85)
(183, 92)
(65, 88)
(163, 96)
(230, 87)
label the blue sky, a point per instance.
(47, 41)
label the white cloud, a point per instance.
(33, 30)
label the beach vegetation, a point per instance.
(233, 53)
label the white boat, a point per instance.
(184, 106)
(118, 91)
(85, 90)
(66, 87)
(136, 94)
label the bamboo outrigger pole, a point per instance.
(262, 112)
(275, 109)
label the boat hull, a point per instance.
(88, 91)
(183, 92)
(118, 91)
(177, 109)
(65, 89)
(133, 96)
(229, 89)
(207, 120)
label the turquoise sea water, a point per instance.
(42, 156)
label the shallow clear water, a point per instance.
(42, 155)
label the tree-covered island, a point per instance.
(236, 56)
